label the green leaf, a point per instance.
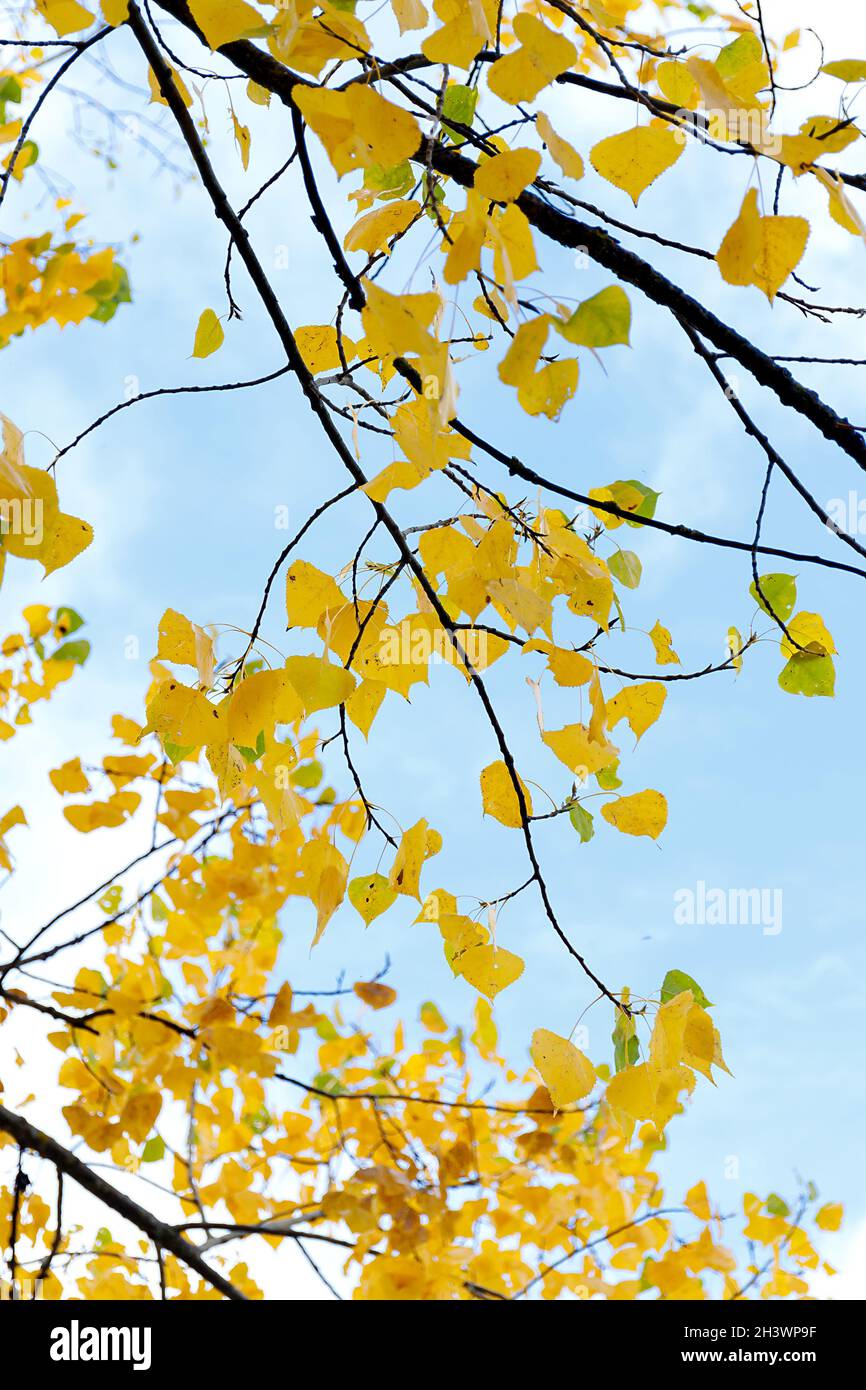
(27, 155)
(458, 105)
(68, 620)
(676, 981)
(582, 822)
(621, 491)
(394, 182)
(599, 322)
(175, 753)
(780, 594)
(808, 674)
(104, 1237)
(78, 652)
(776, 1206)
(111, 294)
(153, 1150)
(608, 779)
(327, 1081)
(308, 776)
(626, 1048)
(111, 899)
(158, 909)
(847, 69)
(625, 566)
(10, 88)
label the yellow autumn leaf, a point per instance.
(371, 896)
(807, 632)
(503, 177)
(258, 704)
(644, 813)
(580, 753)
(489, 969)
(319, 683)
(542, 56)
(635, 158)
(209, 335)
(565, 155)
(374, 230)
(640, 705)
(242, 140)
(320, 348)
(309, 594)
(829, 1218)
(377, 995)
(565, 1071)
(698, 1201)
(358, 127)
(69, 778)
(223, 21)
(184, 716)
(661, 640)
(761, 251)
(499, 798)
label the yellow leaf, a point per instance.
(410, 14)
(698, 1201)
(635, 158)
(223, 21)
(65, 16)
(567, 1074)
(406, 870)
(374, 230)
(209, 335)
(503, 177)
(847, 69)
(761, 251)
(258, 704)
(640, 705)
(115, 12)
(318, 345)
(319, 683)
(371, 896)
(499, 798)
(810, 634)
(644, 813)
(70, 778)
(378, 996)
(176, 642)
(661, 640)
(281, 1009)
(184, 716)
(542, 56)
(364, 704)
(242, 140)
(565, 155)
(489, 969)
(581, 754)
(677, 84)
(156, 91)
(829, 1218)
(309, 593)
(358, 127)
(139, 1115)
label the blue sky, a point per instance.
(762, 786)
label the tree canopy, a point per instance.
(439, 154)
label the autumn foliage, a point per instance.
(433, 1166)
